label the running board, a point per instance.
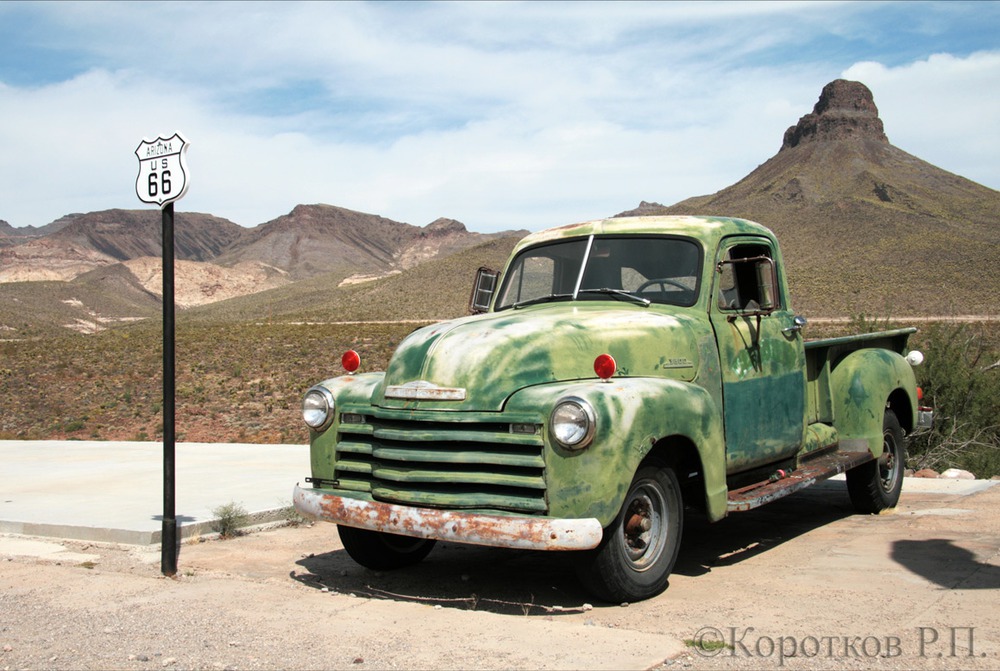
(780, 485)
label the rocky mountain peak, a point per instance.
(845, 110)
(443, 225)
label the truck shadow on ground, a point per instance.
(743, 535)
(468, 577)
(520, 582)
(942, 562)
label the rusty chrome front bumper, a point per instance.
(508, 531)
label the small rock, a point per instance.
(142, 658)
(358, 660)
(587, 606)
(958, 474)
(234, 644)
(324, 589)
(7, 648)
(926, 473)
(169, 661)
(625, 604)
(438, 606)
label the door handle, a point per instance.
(797, 325)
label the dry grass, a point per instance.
(234, 384)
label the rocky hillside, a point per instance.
(866, 227)
(322, 239)
(85, 242)
(10, 236)
(217, 259)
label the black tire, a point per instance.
(382, 551)
(875, 486)
(638, 551)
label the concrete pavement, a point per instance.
(113, 491)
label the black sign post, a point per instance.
(168, 534)
(163, 178)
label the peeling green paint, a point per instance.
(740, 388)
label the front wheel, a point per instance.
(875, 485)
(381, 551)
(639, 549)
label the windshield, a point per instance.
(655, 268)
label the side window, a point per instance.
(747, 279)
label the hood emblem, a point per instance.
(422, 390)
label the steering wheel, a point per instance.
(662, 282)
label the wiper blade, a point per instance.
(542, 299)
(620, 294)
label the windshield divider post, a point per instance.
(583, 266)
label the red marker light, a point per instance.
(920, 394)
(605, 366)
(350, 361)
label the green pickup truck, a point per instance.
(615, 372)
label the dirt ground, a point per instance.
(802, 583)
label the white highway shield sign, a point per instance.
(163, 174)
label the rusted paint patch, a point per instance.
(811, 472)
(511, 531)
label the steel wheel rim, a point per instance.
(887, 470)
(644, 526)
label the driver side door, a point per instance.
(762, 358)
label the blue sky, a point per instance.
(501, 115)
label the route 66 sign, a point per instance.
(163, 174)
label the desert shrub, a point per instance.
(230, 518)
(961, 381)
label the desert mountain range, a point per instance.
(865, 228)
(218, 259)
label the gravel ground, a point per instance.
(913, 589)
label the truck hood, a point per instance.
(476, 363)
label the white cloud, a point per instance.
(499, 115)
(942, 109)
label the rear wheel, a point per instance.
(639, 549)
(875, 485)
(381, 551)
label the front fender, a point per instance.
(861, 384)
(633, 415)
(349, 392)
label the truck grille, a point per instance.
(481, 465)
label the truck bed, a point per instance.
(822, 356)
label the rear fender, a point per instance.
(862, 383)
(633, 415)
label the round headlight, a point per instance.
(572, 423)
(317, 408)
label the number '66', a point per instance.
(161, 184)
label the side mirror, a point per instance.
(767, 284)
(482, 290)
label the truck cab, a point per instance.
(613, 372)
